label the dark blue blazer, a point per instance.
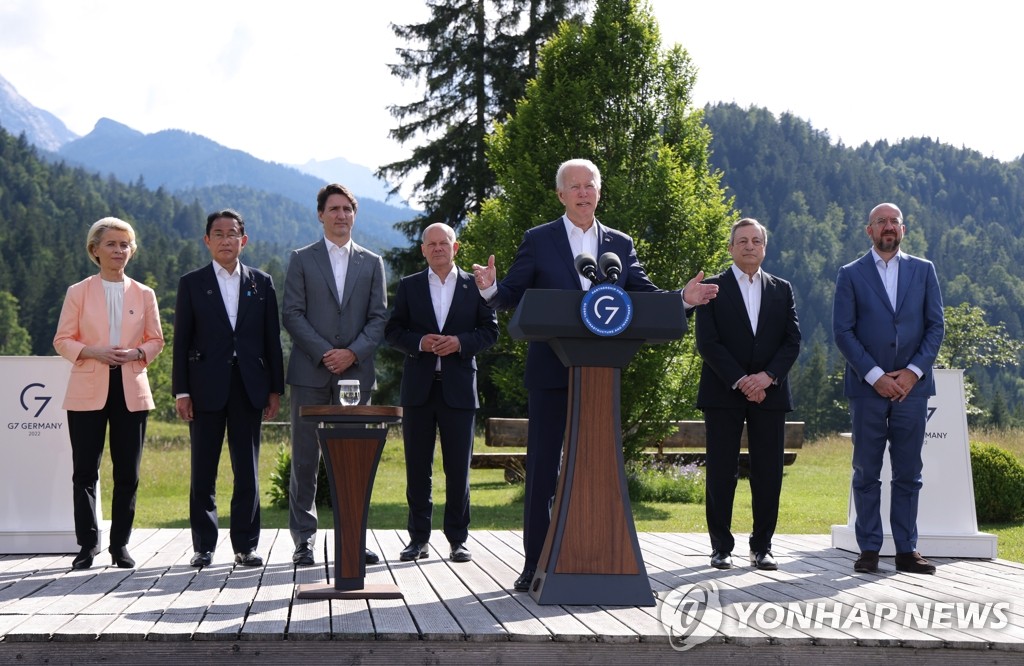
(545, 261)
(469, 319)
(730, 349)
(870, 332)
(204, 342)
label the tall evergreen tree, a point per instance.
(607, 92)
(474, 58)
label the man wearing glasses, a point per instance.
(887, 321)
(228, 373)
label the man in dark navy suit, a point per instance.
(440, 323)
(228, 373)
(888, 323)
(749, 338)
(545, 260)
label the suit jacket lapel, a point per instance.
(132, 304)
(356, 258)
(904, 279)
(246, 294)
(215, 301)
(870, 273)
(420, 301)
(730, 288)
(463, 282)
(560, 241)
(767, 289)
(323, 261)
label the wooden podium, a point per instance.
(591, 554)
(351, 440)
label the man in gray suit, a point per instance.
(335, 309)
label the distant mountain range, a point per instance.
(43, 129)
(280, 198)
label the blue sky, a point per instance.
(239, 72)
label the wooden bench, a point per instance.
(684, 446)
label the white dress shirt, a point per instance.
(339, 255)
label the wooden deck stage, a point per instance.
(164, 611)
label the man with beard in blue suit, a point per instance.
(545, 260)
(888, 323)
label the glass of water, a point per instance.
(348, 391)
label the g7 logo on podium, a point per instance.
(606, 310)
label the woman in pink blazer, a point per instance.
(110, 331)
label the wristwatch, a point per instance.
(141, 355)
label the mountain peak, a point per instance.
(107, 127)
(41, 128)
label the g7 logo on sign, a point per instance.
(44, 400)
(690, 614)
(606, 310)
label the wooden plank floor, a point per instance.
(815, 609)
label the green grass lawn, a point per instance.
(814, 492)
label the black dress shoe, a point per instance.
(721, 560)
(763, 560)
(416, 550)
(202, 559)
(913, 563)
(867, 562)
(121, 558)
(303, 555)
(522, 583)
(84, 558)
(460, 553)
(371, 557)
(250, 559)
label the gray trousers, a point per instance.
(305, 463)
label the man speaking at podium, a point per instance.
(546, 260)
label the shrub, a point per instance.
(998, 484)
(662, 481)
(281, 476)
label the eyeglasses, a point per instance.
(217, 236)
(883, 222)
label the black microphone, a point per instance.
(611, 266)
(586, 266)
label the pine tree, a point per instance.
(474, 67)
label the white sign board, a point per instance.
(947, 524)
(36, 512)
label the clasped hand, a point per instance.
(442, 345)
(753, 386)
(896, 385)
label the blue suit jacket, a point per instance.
(869, 332)
(545, 261)
(469, 319)
(204, 342)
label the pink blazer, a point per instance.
(84, 322)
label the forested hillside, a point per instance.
(45, 212)
(963, 211)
